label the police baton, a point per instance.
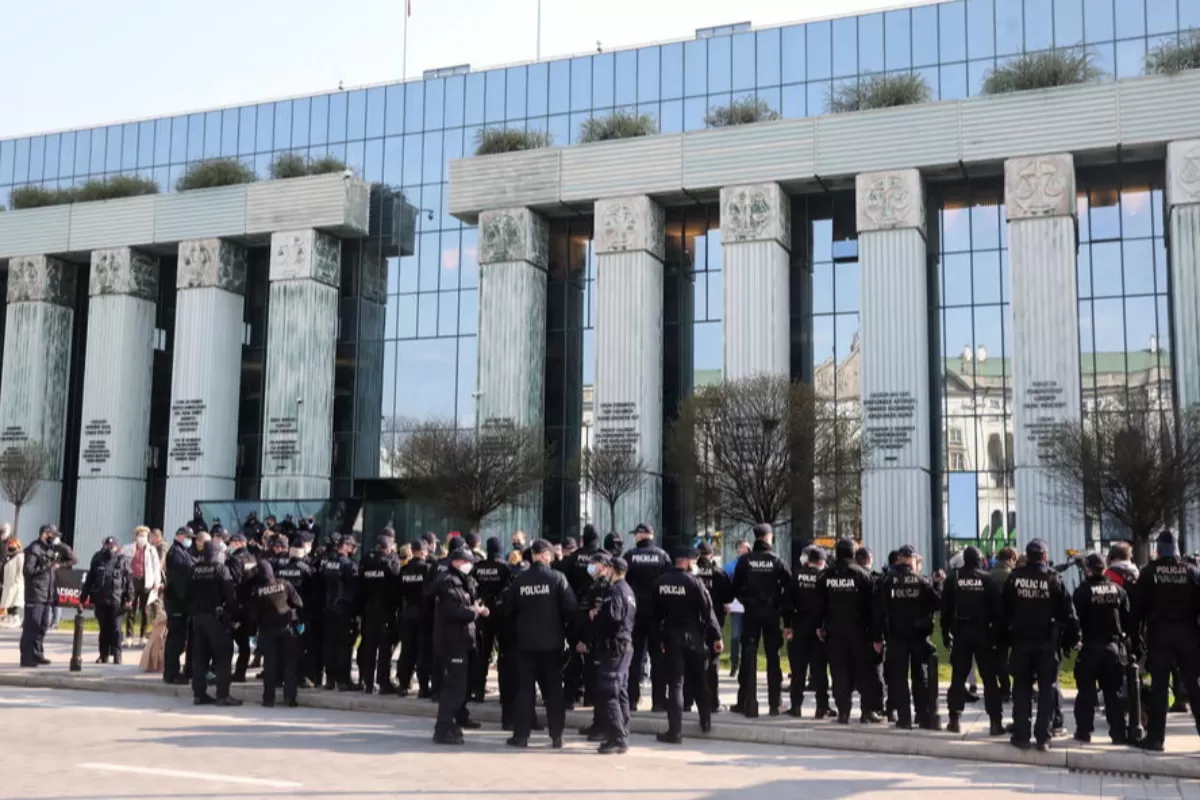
(77, 642)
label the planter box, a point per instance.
(529, 178)
(642, 165)
(331, 203)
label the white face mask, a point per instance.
(141, 541)
(592, 569)
(465, 568)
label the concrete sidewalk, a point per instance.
(1181, 760)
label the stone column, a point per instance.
(629, 243)
(513, 252)
(1039, 194)
(206, 374)
(36, 376)
(894, 328)
(297, 445)
(1183, 213)
(119, 365)
(756, 233)
(368, 368)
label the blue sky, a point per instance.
(71, 63)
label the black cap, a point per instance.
(1167, 537)
(1095, 562)
(540, 546)
(385, 537)
(589, 534)
(472, 539)
(704, 549)
(619, 564)
(844, 548)
(569, 542)
(109, 541)
(456, 543)
(417, 546)
(643, 528)
(184, 531)
(683, 551)
(348, 539)
(815, 553)
(460, 554)
(429, 537)
(1036, 549)
(612, 540)
(494, 546)
(862, 555)
(601, 557)
(907, 551)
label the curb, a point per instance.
(814, 735)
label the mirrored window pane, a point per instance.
(845, 47)
(767, 57)
(129, 140)
(475, 87)
(981, 36)
(1068, 22)
(1098, 20)
(581, 84)
(414, 106)
(625, 82)
(794, 54)
(1131, 19)
(603, 72)
(283, 127)
(820, 55)
(898, 37)
(744, 61)
(925, 36)
(66, 155)
(1010, 27)
(246, 123)
(376, 101)
(1039, 25)
(695, 57)
(301, 123)
(212, 135)
(952, 31)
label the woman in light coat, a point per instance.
(12, 578)
(146, 568)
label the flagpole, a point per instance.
(539, 30)
(404, 58)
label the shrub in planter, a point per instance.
(326, 165)
(744, 111)
(288, 165)
(38, 197)
(879, 91)
(1042, 71)
(215, 172)
(489, 141)
(114, 187)
(617, 125)
(1175, 57)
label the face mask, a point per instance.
(54, 540)
(141, 541)
(222, 547)
(592, 570)
(465, 569)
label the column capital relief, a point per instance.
(306, 255)
(211, 263)
(760, 212)
(41, 279)
(513, 234)
(123, 270)
(625, 224)
(1039, 186)
(889, 200)
(1183, 173)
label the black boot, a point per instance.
(954, 727)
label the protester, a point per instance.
(145, 568)
(12, 582)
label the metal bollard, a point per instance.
(931, 711)
(1133, 687)
(77, 642)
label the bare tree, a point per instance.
(22, 470)
(759, 445)
(610, 472)
(471, 474)
(1134, 465)
(391, 443)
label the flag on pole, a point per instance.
(408, 5)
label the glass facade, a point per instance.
(404, 135)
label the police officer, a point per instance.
(972, 618)
(415, 646)
(243, 567)
(613, 620)
(380, 586)
(865, 559)
(688, 630)
(806, 651)
(1104, 621)
(1041, 621)
(542, 608)
(847, 594)
(455, 611)
(646, 563)
(274, 607)
(903, 619)
(580, 674)
(762, 584)
(179, 568)
(492, 576)
(291, 564)
(211, 602)
(253, 528)
(109, 585)
(340, 576)
(42, 558)
(313, 595)
(614, 545)
(720, 589)
(1167, 602)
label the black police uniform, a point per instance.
(720, 589)
(453, 642)
(313, 638)
(415, 650)
(492, 577)
(579, 675)
(687, 629)
(437, 569)
(806, 651)
(211, 602)
(1041, 621)
(342, 600)
(612, 646)
(762, 583)
(1167, 602)
(380, 584)
(847, 594)
(903, 619)
(646, 563)
(179, 570)
(242, 566)
(274, 607)
(972, 621)
(542, 608)
(1104, 618)
(109, 585)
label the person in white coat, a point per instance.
(12, 581)
(146, 569)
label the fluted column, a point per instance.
(1039, 194)
(894, 325)
(756, 234)
(206, 373)
(629, 246)
(36, 374)
(115, 431)
(301, 342)
(1183, 213)
(513, 252)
